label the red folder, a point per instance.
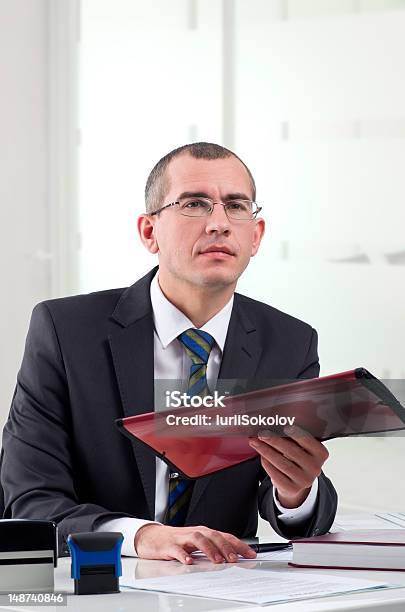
(345, 404)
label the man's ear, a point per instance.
(258, 235)
(146, 229)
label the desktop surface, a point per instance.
(387, 600)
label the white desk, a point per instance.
(392, 600)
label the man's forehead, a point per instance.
(188, 173)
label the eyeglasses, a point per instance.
(242, 210)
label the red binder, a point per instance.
(345, 404)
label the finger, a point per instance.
(240, 547)
(224, 546)
(278, 479)
(298, 475)
(177, 552)
(206, 546)
(308, 442)
(281, 443)
(293, 464)
(190, 547)
(294, 451)
(230, 546)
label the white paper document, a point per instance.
(256, 586)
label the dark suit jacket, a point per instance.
(89, 360)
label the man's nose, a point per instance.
(217, 221)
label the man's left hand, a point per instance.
(292, 462)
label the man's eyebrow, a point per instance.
(193, 194)
(237, 196)
(201, 194)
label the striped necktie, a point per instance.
(198, 345)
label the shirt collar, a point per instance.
(170, 322)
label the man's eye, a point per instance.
(237, 206)
(195, 204)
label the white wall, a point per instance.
(24, 267)
(150, 80)
(319, 102)
(327, 94)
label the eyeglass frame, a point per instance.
(259, 208)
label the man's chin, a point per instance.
(217, 278)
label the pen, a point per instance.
(269, 546)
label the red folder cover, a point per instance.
(371, 549)
(344, 404)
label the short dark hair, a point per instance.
(157, 184)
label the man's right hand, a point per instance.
(155, 541)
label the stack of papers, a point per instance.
(256, 586)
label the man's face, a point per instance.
(182, 242)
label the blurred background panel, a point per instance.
(310, 93)
(25, 258)
(327, 96)
(150, 81)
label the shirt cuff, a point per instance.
(303, 512)
(129, 528)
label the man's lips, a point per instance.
(217, 250)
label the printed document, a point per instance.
(256, 586)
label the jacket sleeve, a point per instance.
(326, 503)
(319, 523)
(37, 473)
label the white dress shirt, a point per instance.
(171, 362)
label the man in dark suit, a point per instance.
(91, 359)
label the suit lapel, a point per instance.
(133, 359)
(243, 345)
(240, 360)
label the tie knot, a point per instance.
(198, 344)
